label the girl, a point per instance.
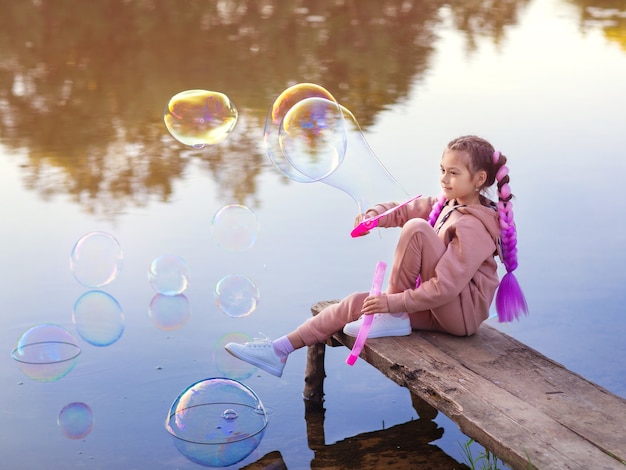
(447, 245)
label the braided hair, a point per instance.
(510, 301)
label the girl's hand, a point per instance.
(361, 217)
(375, 304)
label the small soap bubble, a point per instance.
(200, 117)
(235, 227)
(98, 318)
(75, 420)
(46, 352)
(216, 422)
(236, 295)
(313, 138)
(169, 312)
(169, 275)
(96, 259)
(228, 365)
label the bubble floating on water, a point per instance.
(236, 295)
(169, 275)
(228, 365)
(46, 352)
(285, 101)
(169, 312)
(75, 420)
(200, 117)
(217, 422)
(235, 227)
(96, 259)
(98, 318)
(312, 137)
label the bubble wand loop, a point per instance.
(377, 283)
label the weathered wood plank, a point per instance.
(524, 407)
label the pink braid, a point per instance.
(436, 210)
(510, 301)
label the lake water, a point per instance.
(83, 148)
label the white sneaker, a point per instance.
(383, 324)
(259, 353)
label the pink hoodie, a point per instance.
(467, 268)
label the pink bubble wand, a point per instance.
(368, 224)
(377, 283)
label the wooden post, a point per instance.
(314, 375)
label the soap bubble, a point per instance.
(46, 352)
(227, 364)
(285, 101)
(236, 295)
(313, 138)
(169, 312)
(169, 275)
(96, 259)
(310, 137)
(200, 117)
(98, 318)
(235, 227)
(75, 420)
(217, 422)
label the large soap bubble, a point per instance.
(98, 318)
(330, 149)
(96, 259)
(312, 137)
(283, 103)
(46, 352)
(75, 420)
(200, 117)
(217, 422)
(235, 227)
(169, 275)
(236, 295)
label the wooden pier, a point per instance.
(528, 410)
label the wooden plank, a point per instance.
(528, 410)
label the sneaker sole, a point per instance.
(383, 334)
(261, 365)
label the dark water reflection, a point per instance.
(83, 86)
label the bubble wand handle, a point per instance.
(377, 283)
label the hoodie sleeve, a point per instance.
(470, 245)
(419, 208)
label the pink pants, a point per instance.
(417, 253)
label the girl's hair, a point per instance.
(510, 301)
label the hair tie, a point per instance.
(496, 156)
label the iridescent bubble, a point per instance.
(75, 420)
(285, 101)
(312, 137)
(169, 312)
(200, 117)
(96, 259)
(228, 365)
(236, 295)
(46, 352)
(217, 422)
(169, 275)
(235, 227)
(98, 318)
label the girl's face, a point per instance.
(456, 179)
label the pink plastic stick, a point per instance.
(377, 283)
(368, 224)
